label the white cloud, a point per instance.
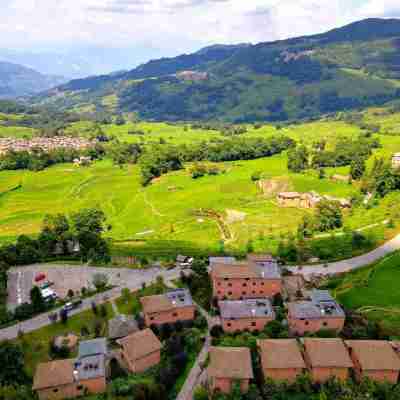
(174, 25)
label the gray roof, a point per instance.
(221, 260)
(121, 326)
(251, 308)
(269, 270)
(322, 305)
(91, 367)
(92, 347)
(180, 297)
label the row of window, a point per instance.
(243, 293)
(244, 284)
(174, 315)
(252, 324)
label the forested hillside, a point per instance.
(347, 68)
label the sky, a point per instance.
(154, 28)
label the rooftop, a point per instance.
(230, 362)
(121, 326)
(140, 344)
(251, 308)
(327, 353)
(91, 367)
(322, 305)
(92, 348)
(164, 302)
(374, 354)
(280, 354)
(263, 270)
(53, 374)
(221, 260)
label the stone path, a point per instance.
(347, 265)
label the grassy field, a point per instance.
(375, 291)
(165, 215)
(36, 343)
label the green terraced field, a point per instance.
(167, 210)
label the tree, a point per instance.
(64, 316)
(100, 281)
(37, 300)
(328, 215)
(357, 168)
(12, 371)
(200, 393)
(298, 159)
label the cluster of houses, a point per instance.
(44, 143)
(136, 350)
(244, 292)
(396, 160)
(307, 200)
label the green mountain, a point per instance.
(16, 81)
(350, 67)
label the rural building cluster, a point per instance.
(43, 143)
(307, 200)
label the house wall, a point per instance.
(250, 288)
(224, 385)
(300, 327)
(282, 374)
(143, 363)
(321, 375)
(72, 390)
(375, 375)
(289, 202)
(242, 324)
(170, 316)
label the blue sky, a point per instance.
(170, 27)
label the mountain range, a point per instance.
(17, 81)
(354, 66)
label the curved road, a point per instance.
(347, 265)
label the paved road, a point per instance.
(148, 276)
(347, 265)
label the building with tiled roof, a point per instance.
(327, 358)
(121, 326)
(173, 306)
(140, 350)
(241, 315)
(281, 359)
(229, 365)
(322, 312)
(374, 359)
(246, 280)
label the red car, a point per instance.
(40, 277)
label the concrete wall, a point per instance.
(281, 374)
(178, 314)
(242, 324)
(300, 327)
(253, 288)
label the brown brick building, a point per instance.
(321, 313)
(241, 315)
(176, 305)
(72, 378)
(229, 365)
(327, 358)
(281, 359)
(374, 359)
(140, 350)
(249, 280)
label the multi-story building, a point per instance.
(326, 359)
(229, 365)
(322, 312)
(241, 315)
(281, 359)
(248, 280)
(173, 306)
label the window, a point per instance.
(244, 293)
(55, 390)
(247, 279)
(230, 284)
(80, 387)
(254, 292)
(229, 324)
(151, 318)
(325, 324)
(175, 314)
(253, 324)
(219, 283)
(230, 293)
(307, 323)
(262, 283)
(225, 279)
(219, 292)
(254, 283)
(244, 284)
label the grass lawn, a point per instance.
(36, 343)
(132, 305)
(375, 290)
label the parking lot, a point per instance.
(66, 277)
